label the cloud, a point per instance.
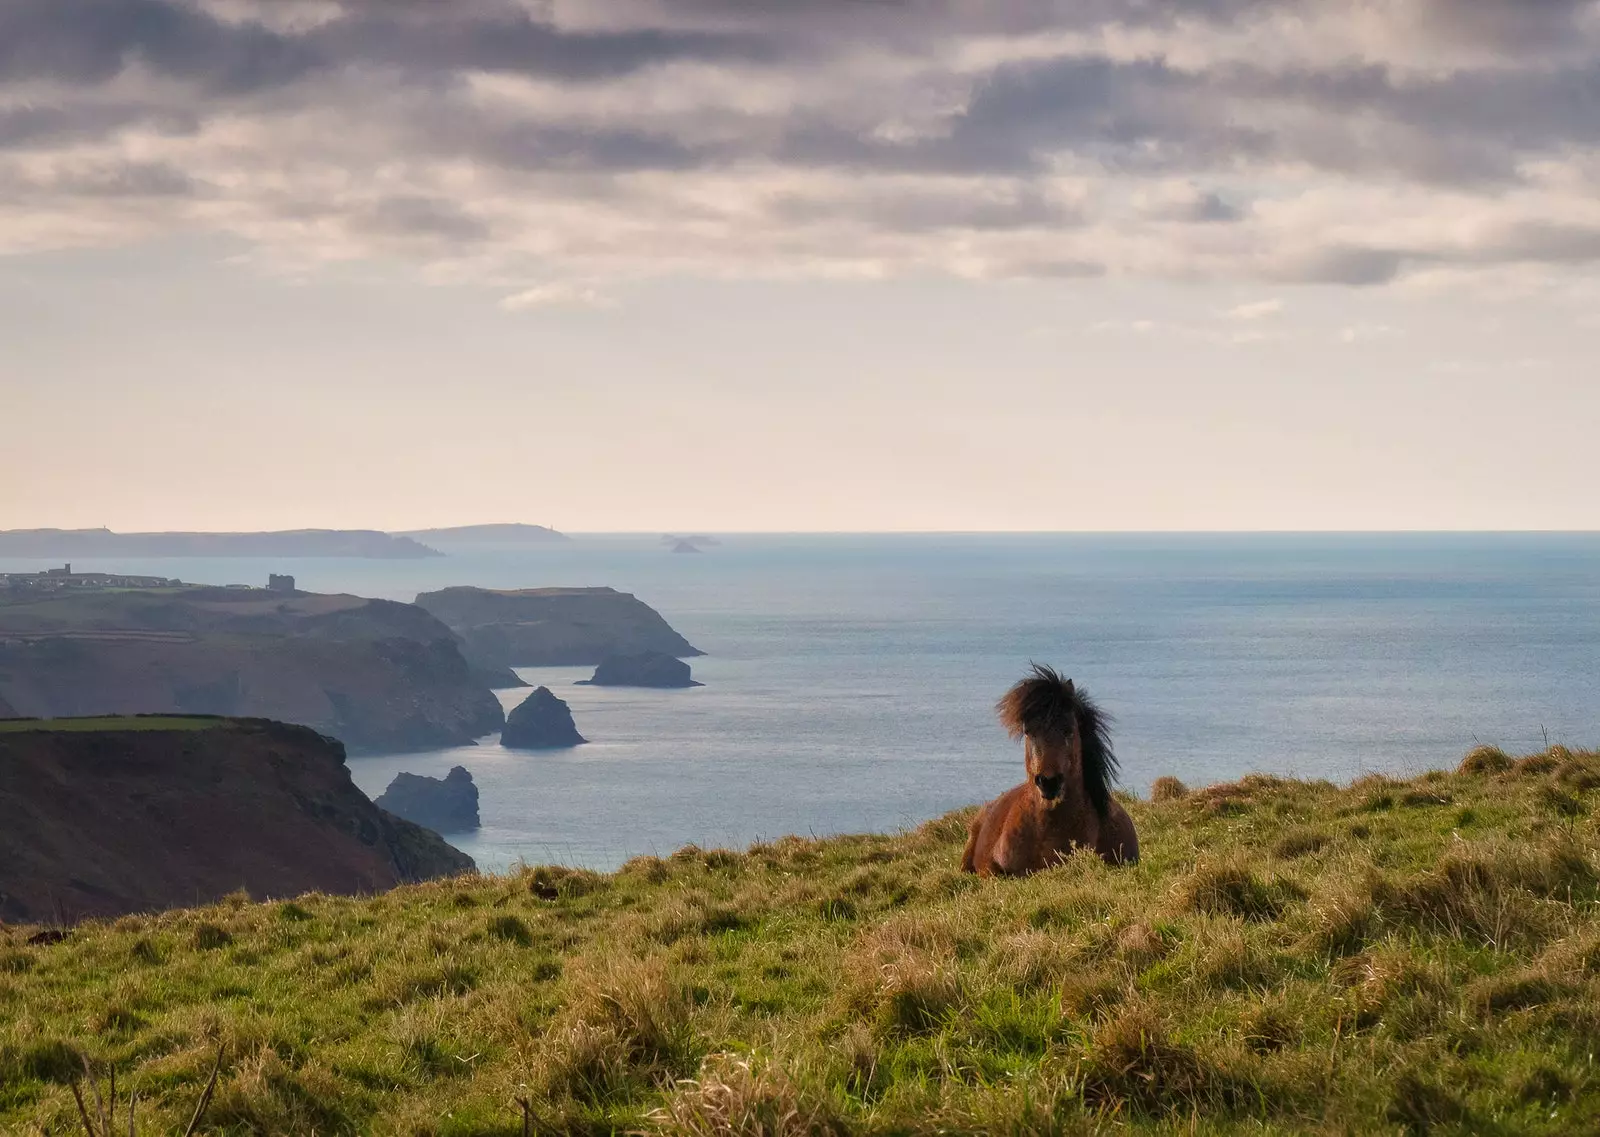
(560, 294)
(1332, 142)
(1257, 310)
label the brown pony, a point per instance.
(1066, 802)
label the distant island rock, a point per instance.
(514, 534)
(692, 543)
(68, 543)
(546, 627)
(541, 722)
(100, 819)
(445, 805)
(645, 669)
(379, 675)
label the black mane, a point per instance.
(1044, 704)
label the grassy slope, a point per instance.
(1392, 956)
(112, 723)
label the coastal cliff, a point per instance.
(542, 627)
(376, 674)
(103, 817)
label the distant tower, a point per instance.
(280, 583)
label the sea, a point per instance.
(850, 679)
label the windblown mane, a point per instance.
(1043, 705)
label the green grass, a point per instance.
(112, 722)
(1395, 956)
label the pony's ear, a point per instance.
(1071, 690)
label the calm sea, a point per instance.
(850, 679)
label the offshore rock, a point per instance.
(445, 805)
(541, 722)
(645, 669)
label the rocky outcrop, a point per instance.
(646, 669)
(541, 722)
(499, 678)
(102, 819)
(378, 675)
(543, 627)
(445, 805)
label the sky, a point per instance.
(736, 265)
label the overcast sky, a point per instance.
(760, 264)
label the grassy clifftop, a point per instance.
(1418, 956)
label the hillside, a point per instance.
(541, 627)
(375, 674)
(1417, 956)
(100, 817)
(68, 543)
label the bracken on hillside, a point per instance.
(1396, 956)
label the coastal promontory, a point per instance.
(376, 674)
(542, 721)
(101, 817)
(542, 627)
(69, 543)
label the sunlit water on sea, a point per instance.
(849, 679)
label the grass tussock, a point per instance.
(1415, 956)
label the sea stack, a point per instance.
(541, 722)
(447, 805)
(646, 669)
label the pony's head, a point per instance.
(1065, 738)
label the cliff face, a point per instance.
(97, 820)
(378, 675)
(540, 627)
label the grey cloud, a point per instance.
(921, 210)
(1066, 268)
(1345, 264)
(1543, 242)
(424, 217)
(883, 136)
(56, 124)
(90, 41)
(1207, 208)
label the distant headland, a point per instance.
(514, 534)
(371, 544)
(365, 543)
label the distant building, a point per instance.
(64, 579)
(277, 582)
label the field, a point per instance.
(1414, 956)
(112, 722)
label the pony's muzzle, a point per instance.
(1049, 786)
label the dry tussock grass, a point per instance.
(734, 1096)
(1286, 957)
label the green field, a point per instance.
(112, 722)
(1397, 956)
